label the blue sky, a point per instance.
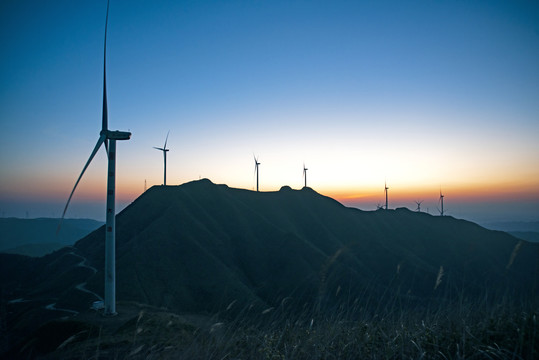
(420, 94)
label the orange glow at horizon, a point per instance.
(127, 190)
(461, 193)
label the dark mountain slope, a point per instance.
(199, 247)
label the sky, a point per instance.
(421, 95)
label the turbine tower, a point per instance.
(108, 138)
(441, 202)
(256, 171)
(164, 150)
(418, 205)
(385, 191)
(305, 174)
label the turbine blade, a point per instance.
(159, 148)
(104, 125)
(164, 147)
(100, 141)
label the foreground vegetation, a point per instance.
(461, 331)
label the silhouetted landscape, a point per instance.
(208, 271)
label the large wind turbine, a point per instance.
(385, 191)
(305, 174)
(256, 171)
(164, 150)
(108, 138)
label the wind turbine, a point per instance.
(305, 174)
(385, 191)
(442, 202)
(164, 150)
(256, 171)
(108, 138)
(418, 205)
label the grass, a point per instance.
(503, 330)
(452, 333)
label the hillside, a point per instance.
(201, 248)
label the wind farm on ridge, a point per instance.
(109, 138)
(197, 269)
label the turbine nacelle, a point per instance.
(117, 135)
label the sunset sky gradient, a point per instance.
(421, 94)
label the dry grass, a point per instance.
(447, 331)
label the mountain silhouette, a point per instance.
(201, 247)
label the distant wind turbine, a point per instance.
(418, 205)
(108, 138)
(256, 171)
(305, 174)
(164, 150)
(385, 191)
(442, 203)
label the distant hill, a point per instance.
(531, 236)
(525, 230)
(511, 226)
(37, 237)
(200, 247)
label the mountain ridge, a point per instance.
(199, 247)
(243, 234)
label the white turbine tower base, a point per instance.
(110, 230)
(110, 237)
